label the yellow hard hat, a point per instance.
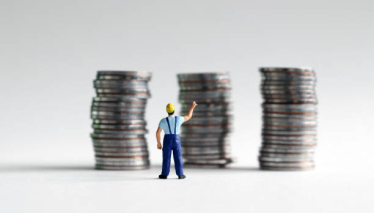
(170, 108)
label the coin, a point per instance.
(124, 75)
(119, 143)
(118, 109)
(125, 149)
(289, 133)
(121, 154)
(104, 167)
(203, 77)
(119, 122)
(107, 84)
(121, 131)
(118, 127)
(212, 85)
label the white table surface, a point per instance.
(77, 187)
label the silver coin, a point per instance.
(205, 144)
(205, 100)
(122, 161)
(118, 127)
(123, 91)
(205, 139)
(119, 114)
(210, 120)
(288, 74)
(300, 168)
(188, 140)
(204, 114)
(271, 115)
(287, 164)
(290, 143)
(121, 132)
(291, 97)
(207, 107)
(208, 76)
(122, 149)
(289, 122)
(287, 92)
(124, 72)
(270, 132)
(266, 83)
(287, 77)
(275, 128)
(288, 87)
(119, 143)
(118, 109)
(288, 96)
(206, 129)
(125, 99)
(204, 94)
(206, 149)
(290, 107)
(124, 75)
(120, 84)
(203, 166)
(116, 136)
(291, 101)
(193, 153)
(122, 78)
(290, 138)
(116, 115)
(207, 157)
(204, 135)
(286, 69)
(282, 160)
(276, 156)
(104, 167)
(120, 104)
(207, 162)
(287, 149)
(135, 95)
(205, 86)
(285, 152)
(119, 122)
(121, 154)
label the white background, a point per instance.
(50, 52)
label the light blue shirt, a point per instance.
(164, 124)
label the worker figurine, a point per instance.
(172, 142)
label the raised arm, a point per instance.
(190, 112)
(158, 137)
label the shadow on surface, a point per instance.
(225, 169)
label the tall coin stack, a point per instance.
(205, 138)
(119, 127)
(289, 134)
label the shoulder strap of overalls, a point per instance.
(167, 120)
(175, 128)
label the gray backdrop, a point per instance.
(50, 52)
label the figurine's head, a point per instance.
(170, 109)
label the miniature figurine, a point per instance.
(172, 141)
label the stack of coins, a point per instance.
(118, 120)
(289, 134)
(205, 138)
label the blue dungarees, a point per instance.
(172, 142)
